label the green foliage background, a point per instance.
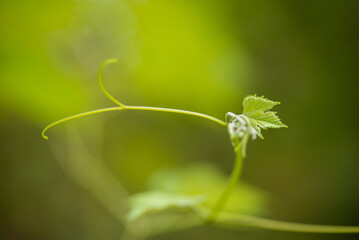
(201, 55)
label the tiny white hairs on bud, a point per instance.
(239, 126)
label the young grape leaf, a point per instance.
(249, 124)
(252, 103)
(156, 201)
(200, 178)
(256, 109)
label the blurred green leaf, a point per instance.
(155, 201)
(203, 179)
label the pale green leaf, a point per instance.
(252, 103)
(256, 109)
(156, 201)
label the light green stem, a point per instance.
(171, 110)
(100, 82)
(249, 221)
(78, 116)
(231, 184)
(140, 108)
(123, 106)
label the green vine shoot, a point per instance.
(256, 116)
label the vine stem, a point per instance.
(100, 82)
(171, 110)
(140, 108)
(77, 116)
(122, 106)
(231, 184)
(250, 221)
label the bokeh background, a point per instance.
(203, 56)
